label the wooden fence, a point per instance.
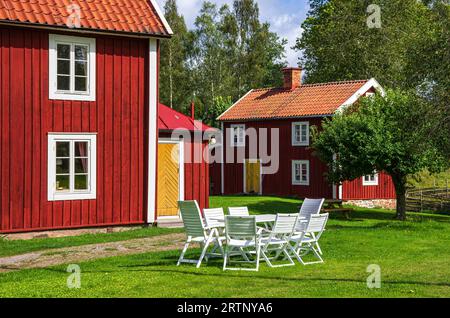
(430, 199)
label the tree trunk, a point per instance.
(400, 190)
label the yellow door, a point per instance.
(168, 179)
(252, 176)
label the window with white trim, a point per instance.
(300, 172)
(72, 165)
(72, 68)
(370, 180)
(237, 135)
(300, 134)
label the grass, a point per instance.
(414, 257)
(8, 248)
(427, 180)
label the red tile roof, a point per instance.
(130, 16)
(306, 100)
(169, 119)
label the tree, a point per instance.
(219, 105)
(398, 134)
(175, 90)
(337, 44)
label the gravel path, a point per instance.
(68, 255)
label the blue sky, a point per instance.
(284, 16)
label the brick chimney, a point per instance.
(292, 77)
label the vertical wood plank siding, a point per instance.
(354, 190)
(27, 116)
(281, 182)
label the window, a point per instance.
(370, 180)
(300, 134)
(300, 172)
(370, 94)
(72, 164)
(238, 135)
(72, 68)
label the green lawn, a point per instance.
(414, 257)
(8, 248)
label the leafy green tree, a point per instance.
(338, 44)
(398, 134)
(175, 90)
(219, 105)
(257, 51)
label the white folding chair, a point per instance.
(239, 211)
(197, 232)
(278, 239)
(303, 244)
(308, 208)
(214, 218)
(241, 235)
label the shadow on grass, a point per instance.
(139, 268)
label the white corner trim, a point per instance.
(161, 16)
(360, 92)
(152, 130)
(53, 93)
(222, 164)
(240, 99)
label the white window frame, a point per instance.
(72, 194)
(370, 182)
(300, 124)
(300, 182)
(241, 139)
(90, 95)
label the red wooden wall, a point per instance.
(354, 190)
(196, 174)
(281, 182)
(27, 115)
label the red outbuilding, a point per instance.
(267, 143)
(79, 115)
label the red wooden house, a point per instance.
(285, 116)
(79, 114)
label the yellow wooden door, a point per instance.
(253, 175)
(168, 179)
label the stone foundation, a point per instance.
(375, 203)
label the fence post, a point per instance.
(446, 182)
(421, 200)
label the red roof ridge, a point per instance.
(311, 85)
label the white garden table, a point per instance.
(266, 219)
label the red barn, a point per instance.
(267, 143)
(79, 114)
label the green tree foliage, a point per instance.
(219, 105)
(228, 52)
(174, 75)
(398, 134)
(337, 43)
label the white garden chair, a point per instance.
(278, 239)
(241, 235)
(239, 211)
(308, 208)
(303, 243)
(214, 218)
(197, 232)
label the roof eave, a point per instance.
(83, 30)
